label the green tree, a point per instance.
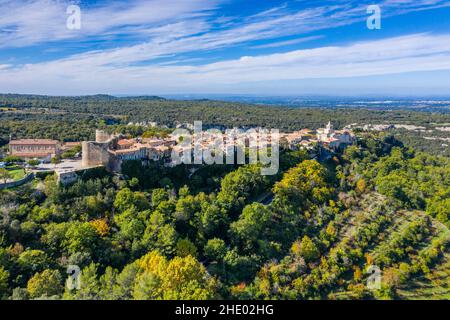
(5, 175)
(440, 209)
(131, 227)
(89, 285)
(126, 199)
(185, 248)
(12, 159)
(32, 261)
(254, 224)
(107, 284)
(4, 276)
(212, 221)
(303, 186)
(158, 196)
(55, 161)
(215, 249)
(45, 284)
(33, 162)
(239, 267)
(176, 279)
(81, 237)
(306, 248)
(133, 183)
(238, 187)
(54, 236)
(124, 286)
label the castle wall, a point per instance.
(106, 151)
(66, 178)
(95, 154)
(102, 136)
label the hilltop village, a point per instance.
(111, 150)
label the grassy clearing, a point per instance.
(16, 172)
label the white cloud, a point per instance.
(170, 28)
(419, 52)
(195, 34)
(287, 42)
(28, 22)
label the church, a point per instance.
(335, 139)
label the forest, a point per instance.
(76, 118)
(311, 232)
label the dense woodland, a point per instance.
(310, 232)
(76, 118)
(227, 232)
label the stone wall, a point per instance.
(69, 177)
(95, 154)
(102, 136)
(17, 183)
(66, 178)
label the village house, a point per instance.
(112, 151)
(334, 139)
(67, 146)
(44, 149)
(296, 139)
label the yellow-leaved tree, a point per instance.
(182, 278)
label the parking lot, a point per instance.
(64, 166)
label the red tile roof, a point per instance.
(125, 142)
(72, 143)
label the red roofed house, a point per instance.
(335, 139)
(34, 148)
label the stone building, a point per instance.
(294, 139)
(335, 139)
(34, 148)
(111, 151)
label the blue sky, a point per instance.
(259, 47)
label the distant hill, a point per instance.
(65, 118)
(87, 97)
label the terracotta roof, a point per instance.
(125, 142)
(135, 147)
(33, 142)
(126, 151)
(72, 143)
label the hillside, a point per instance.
(76, 118)
(164, 233)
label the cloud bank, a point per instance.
(160, 45)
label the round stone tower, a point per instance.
(102, 136)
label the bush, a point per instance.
(45, 284)
(12, 159)
(33, 162)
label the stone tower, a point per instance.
(96, 153)
(102, 136)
